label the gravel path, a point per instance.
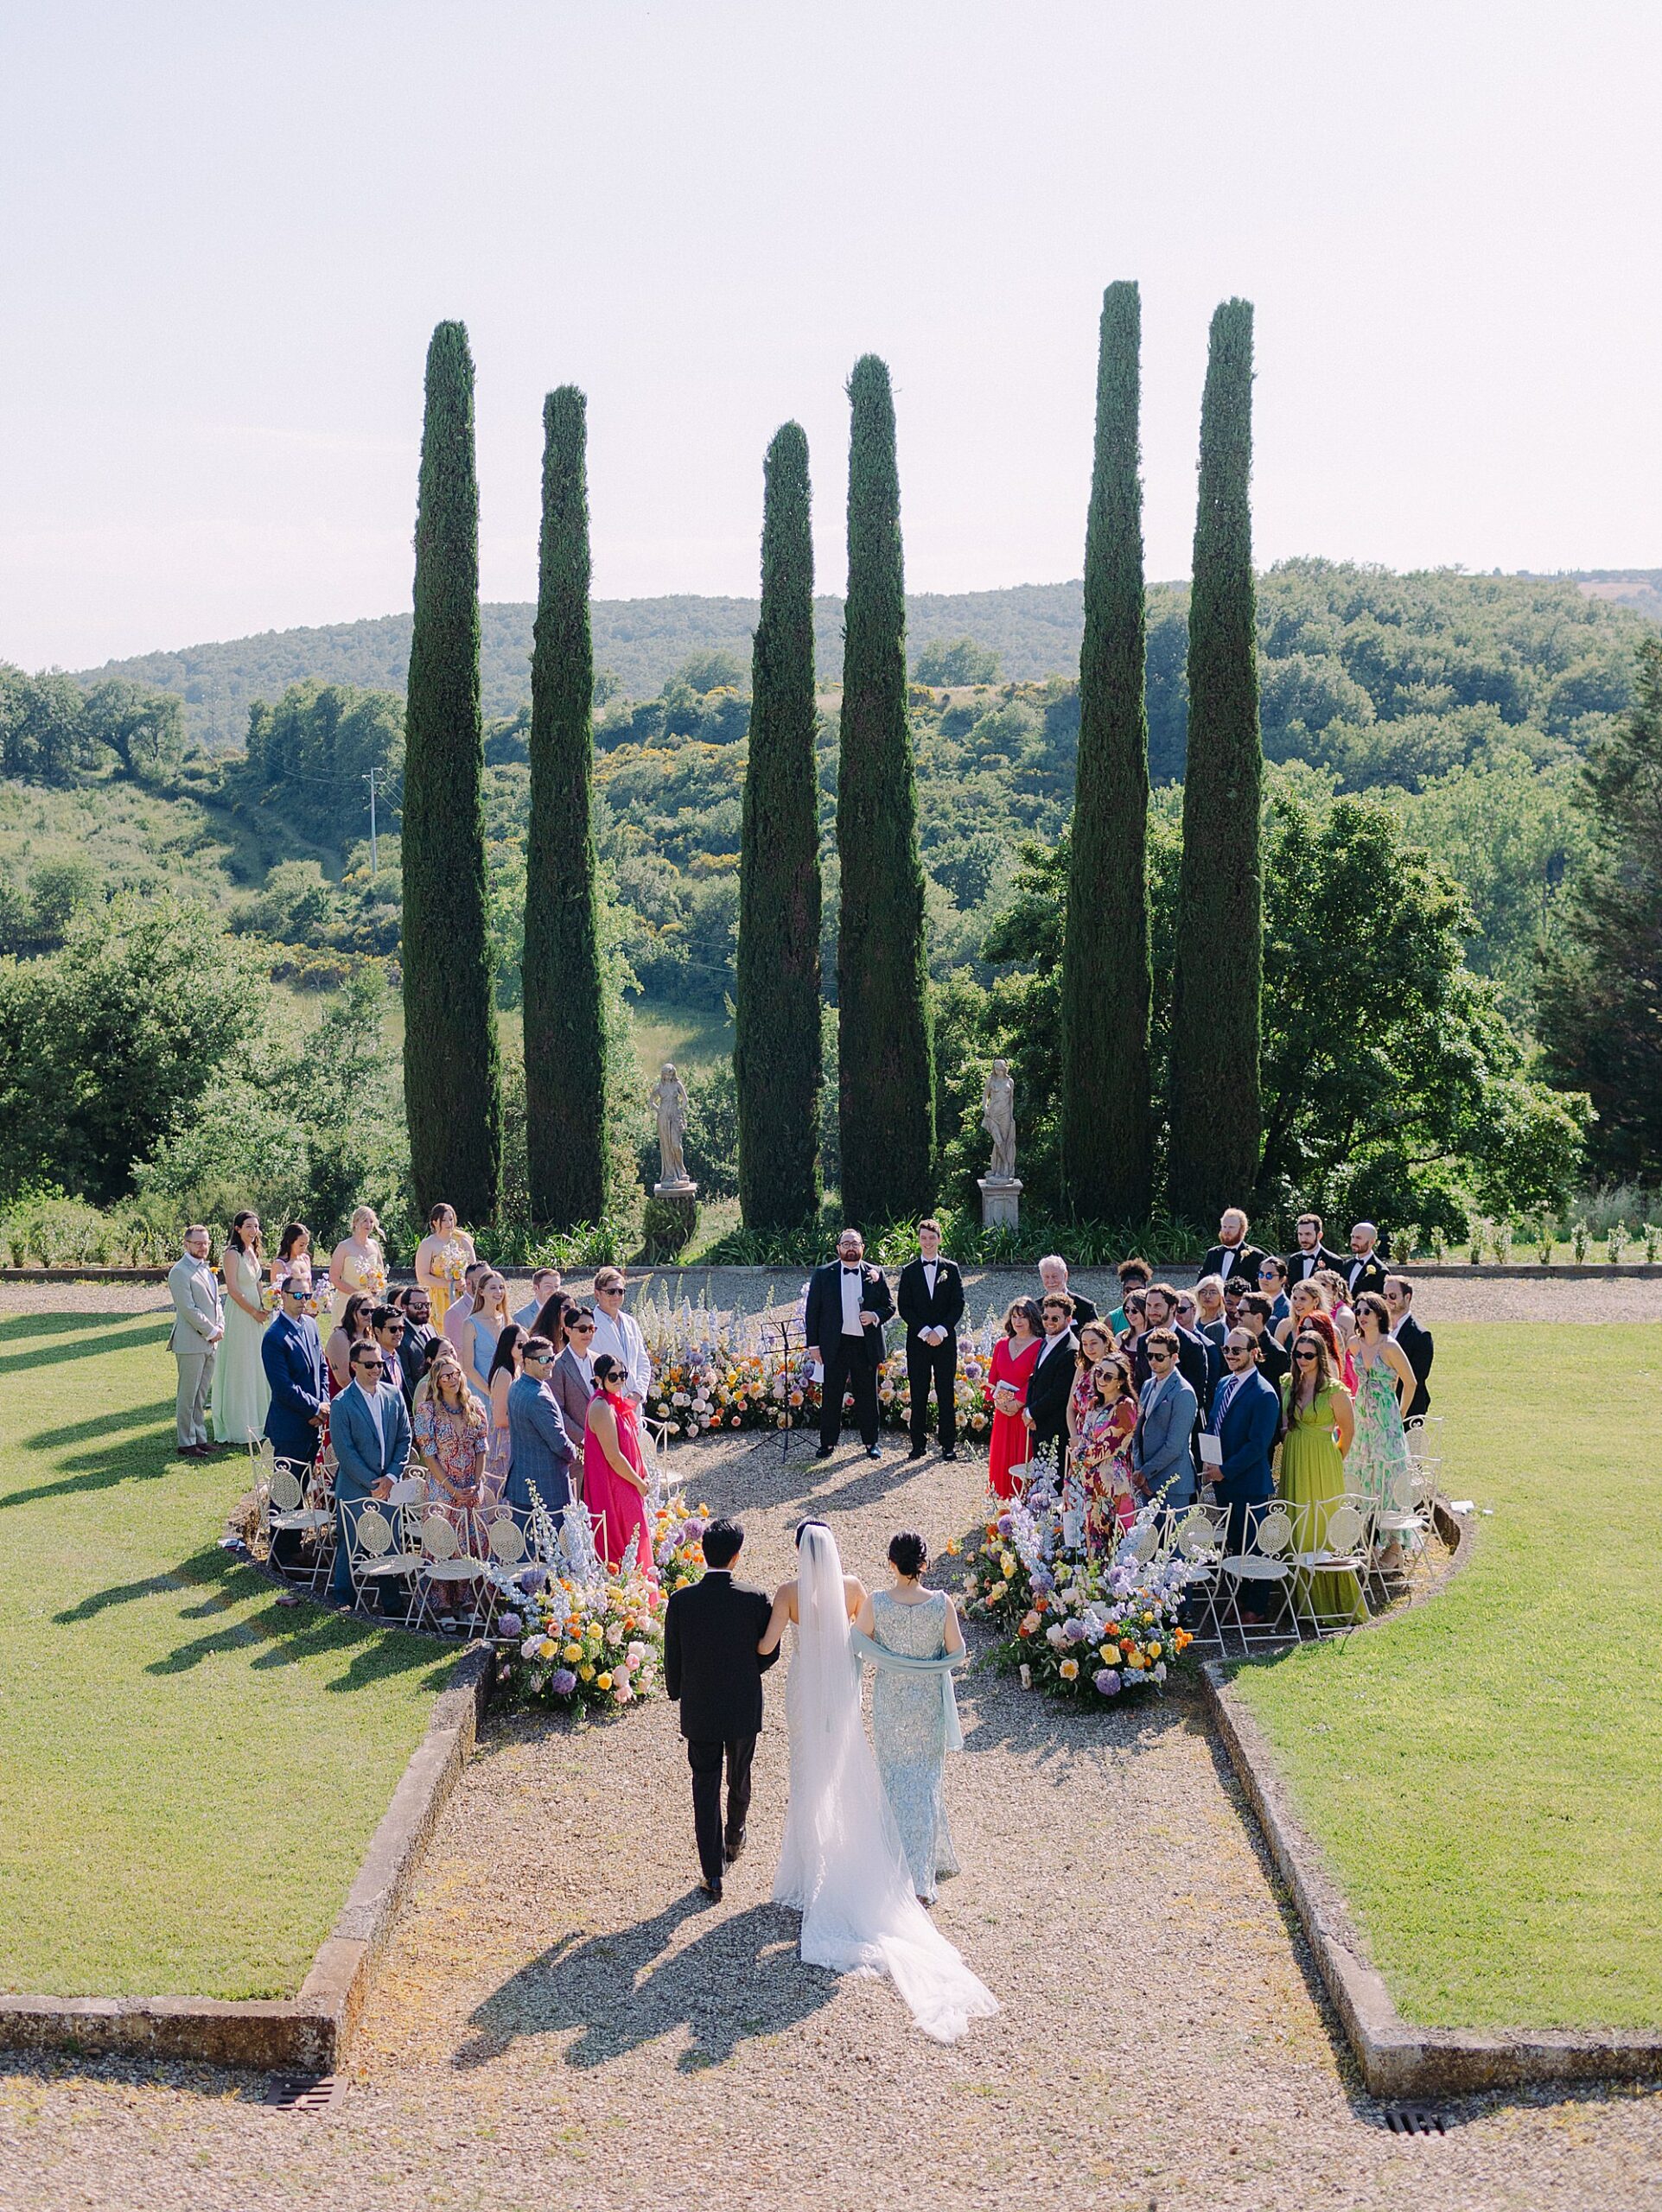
(562, 2019)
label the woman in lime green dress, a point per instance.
(1319, 1421)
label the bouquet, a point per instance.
(677, 1543)
(599, 1646)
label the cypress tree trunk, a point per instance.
(565, 1038)
(776, 1061)
(1220, 965)
(452, 1069)
(885, 1043)
(1106, 984)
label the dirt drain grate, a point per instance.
(1414, 2120)
(305, 2092)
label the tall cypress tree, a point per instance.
(452, 1070)
(1106, 983)
(565, 1026)
(776, 1061)
(885, 1040)
(1218, 979)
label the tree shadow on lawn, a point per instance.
(128, 1330)
(96, 1471)
(715, 1987)
(84, 1431)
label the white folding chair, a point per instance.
(1336, 1545)
(1197, 1538)
(381, 1547)
(508, 1549)
(288, 1513)
(1265, 1567)
(1395, 1521)
(446, 1564)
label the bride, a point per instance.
(842, 1865)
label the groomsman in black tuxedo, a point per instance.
(1312, 1254)
(1052, 1379)
(1231, 1255)
(930, 1297)
(1365, 1269)
(1418, 1347)
(848, 1304)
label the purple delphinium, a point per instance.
(1107, 1680)
(563, 1682)
(1006, 1526)
(510, 1624)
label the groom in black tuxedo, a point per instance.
(848, 1304)
(931, 1299)
(711, 1629)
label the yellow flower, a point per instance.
(1108, 1655)
(1134, 1658)
(603, 1683)
(1068, 1669)
(1153, 1650)
(586, 1673)
(571, 1654)
(1148, 1620)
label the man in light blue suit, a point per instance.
(370, 1431)
(1167, 1412)
(1245, 1417)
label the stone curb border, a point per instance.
(1398, 2059)
(312, 2033)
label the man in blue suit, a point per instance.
(1167, 1411)
(370, 1431)
(1245, 1417)
(291, 1352)
(541, 1452)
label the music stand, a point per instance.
(789, 1429)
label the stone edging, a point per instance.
(1396, 2058)
(309, 2033)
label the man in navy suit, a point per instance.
(1245, 1417)
(848, 1304)
(291, 1352)
(370, 1431)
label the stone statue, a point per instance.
(668, 1100)
(998, 1119)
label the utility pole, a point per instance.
(374, 850)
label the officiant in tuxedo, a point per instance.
(711, 1629)
(931, 1301)
(848, 1303)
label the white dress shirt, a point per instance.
(854, 1298)
(621, 1337)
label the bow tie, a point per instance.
(850, 1271)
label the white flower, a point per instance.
(680, 1398)
(1054, 1635)
(1160, 1670)
(531, 1645)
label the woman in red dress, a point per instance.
(615, 1481)
(1014, 1358)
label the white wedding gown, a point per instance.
(842, 1864)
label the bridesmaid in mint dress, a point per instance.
(1319, 1422)
(240, 1393)
(908, 1714)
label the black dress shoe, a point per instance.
(730, 1851)
(919, 1452)
(712, 1891)
(824, 1451)
(949, 1452)
(874, 1450)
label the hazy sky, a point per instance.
(225, 233)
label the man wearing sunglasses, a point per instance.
(571, 1379)
(1167, 1411)
(291, 1352)
(1246, 1414)
(370, 1431)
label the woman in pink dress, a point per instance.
(614, 1474)
(1014, 1358)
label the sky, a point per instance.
(225, 233)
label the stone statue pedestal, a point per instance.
(681, 1187)
(1001, 1201)
(672, 1219)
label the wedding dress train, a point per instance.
(842, 1864)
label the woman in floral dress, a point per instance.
(1104, 1455)
(1379, 1464)
(449, 1436)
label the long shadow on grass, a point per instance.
(740, 1978)
(95, 1331)
(100, 1472)
(85, 1432)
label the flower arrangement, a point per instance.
(723, 1384)
(677, 1543)
(599, 1646)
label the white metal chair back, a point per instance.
(506, 1542)
(1274, 1532)
(370, 1532)
(1142, 1543)
(286, 1494)
(438, 1538)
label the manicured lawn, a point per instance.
(189, 1771)
(1484, 1775)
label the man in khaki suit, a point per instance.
(198, 1325)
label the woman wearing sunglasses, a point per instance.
(1318, 1425)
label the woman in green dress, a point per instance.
(1319, 1422)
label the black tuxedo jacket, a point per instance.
(1302, 1265)
(711, 1629)
(1246, 1261)
(917, 1309)
(824, 1308)
(1363, 1274)
(1085, 1309)
(1419, 1350)
(1047, 1389)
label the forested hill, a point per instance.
(1033, 629)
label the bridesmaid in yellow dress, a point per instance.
(443, 1257)
(358, 1263)
(1319, 1425)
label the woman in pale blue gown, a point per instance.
(908, 1712)
(240, 1391)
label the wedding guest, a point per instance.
(572, 1378)
(370, 1431)
(1191, 1359)
(1014, 1358)
(351, 1328)
(1415, 1340)
(1210, 1320)
(194, 1340)
(294, 1255)
(1134, 1276)
(1365, 1268)
(1096, 1342)
(1167, 1409)
(1378, 1463)
(291, 1354)
(443, 1258)
(358, 1262)
(619, 1333)
(1305, 1297)
(1052, 1282)
(1318, 1424)
(450, 1431)
(1272, 1283)
(1246, 1418)
(500, 1378)
(1186, 1318)
(908, 1716)
(386, 1326)
(1235, 1289)
(615, 1484)
(1336, 1299)
(542, 1457)
(418, 1333)
(551, 1319)
(1233, 1255)
(1312, 1252)
(239, 1393)
(930, 1298)
(1136, 1310)
(544, 1284)
(847, 1304)
(1273, 1356)
(1104, 1453)
(485, 1325)
(1051, 1377)
(461, 1308)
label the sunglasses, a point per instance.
(369, 1366)
(1304, 1355)
(581, 1329)
(1159, 1352)
(1236, 1351)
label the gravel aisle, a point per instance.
(563, 2021)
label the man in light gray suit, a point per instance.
(198, 1325)
(1166, 1413)
(572, 1381)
